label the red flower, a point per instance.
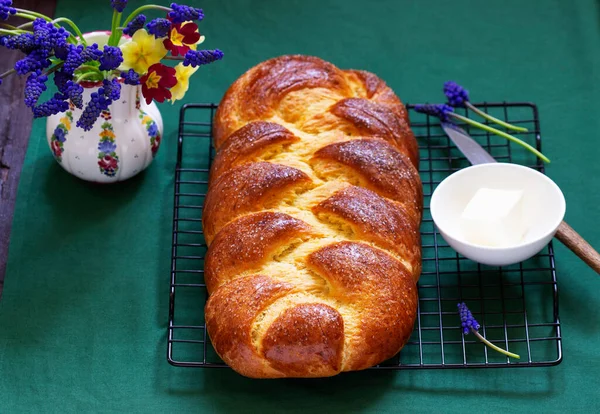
(107, 163)
(182, 37)
(156, 83)
(55, 145)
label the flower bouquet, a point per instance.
(106, 82)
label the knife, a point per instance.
(476, 154)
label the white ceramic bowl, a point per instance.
(543, 206)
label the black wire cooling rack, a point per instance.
(517, 306)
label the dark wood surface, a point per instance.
(15, 127)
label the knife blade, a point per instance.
(474, 152)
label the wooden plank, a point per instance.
(15, 127)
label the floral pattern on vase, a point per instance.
(108, 160)
(120, 144)
(153, 132)
(59, 136)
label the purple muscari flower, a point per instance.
(456, 94)
(60, 80)
(112, 89)
(118, 5)
(131, 77)
(159, 27)
(48, 36)
(6, 10)
(92, 53)
(59, 133)
(74, 58)
(107, 146)
(467, 319)
(111, 58)
(201, 57)
(36, 60)
(136, 24)
(55, 105)
(59, 37)
(99, 101)
(24, 42)
(441, 111)
(75, 93)
(182, 13)
(34, 87)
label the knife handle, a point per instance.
(578, 245)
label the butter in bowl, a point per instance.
(497, 214)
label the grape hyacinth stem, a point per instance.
(54, 69)
(74, 27)
(502, 134)
(494, 347)
(87, 75)
(494, 119)
(12, 32)
(25, 16)
(7, 73)
(113, 27)
(28, 14)
(118, 29)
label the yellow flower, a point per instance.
(65, 121)
(183, 74)
(107, 133)
(143, 51)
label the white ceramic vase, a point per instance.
(123, 141)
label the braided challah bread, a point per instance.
(312, 220)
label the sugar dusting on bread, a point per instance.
(312, 219)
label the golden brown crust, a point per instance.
(247, 243)
(230, 313)
(382, 168)
(381, 287)
(306, 341)
(248, 142)
(312, 220)
(247, 189)
(377, 220)
(371, 118)
(256, 94)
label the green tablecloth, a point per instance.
(84, 311)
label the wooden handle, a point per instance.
(578, 245)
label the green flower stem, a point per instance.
(7, 73)
(25, 16)
(494, 347)
(73, 26)
(500, 133)
(25, 25)
(54, 68)
(86, 76)
(89, 68)
(174, 57)
(9, 26)
(144, 8)
(493, 119)
(113, 27)
(28, 13)
(119, 28)
(12, 32)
